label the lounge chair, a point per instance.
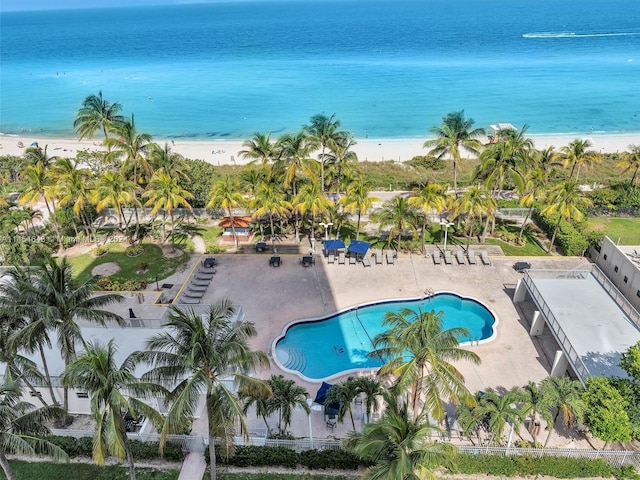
(437, 257)
(341, 258)
(275, 261)
(196, 288)
(193, 294)
(460, 257)
(200, 283)
(331, 258)
(378, 258)
(307, 261)
(366, 262)
(261, 247)
(352, 260)
(390, 258)
(189, 301)
(447, 257)
(207, 273)
(472, 257)
(484, 256)
(209, 262)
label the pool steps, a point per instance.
(296, 360)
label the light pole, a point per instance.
(446, 226)
(326, 229)
(313, 408)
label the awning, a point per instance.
(359, 247)
(330, 245)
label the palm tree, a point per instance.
(258, 147)
(495, 411)
(342, 160)
(418, 352)
(455, 134)
(270, 200)
(97, 114)
(75, 188)
(286, 395)
(171, 163)
(576, 155)
(400, 446)
(38, 155)
(293, 157)
(37, 183)
(57, 301)
(115, 191)
(534, 402)
(371, 389)
(566, 199)
(134, 147)
(631, 162)
(199, 354)
(532, 189)
(565, 397)
(322, 130)
(395, 214)
(312, 200)
(476, 203)
(114, 392)
(225, 193)
(343, 393)
(22, 427)
(357, 200)
(429, 198)
(164, 193)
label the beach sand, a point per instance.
(225, 152)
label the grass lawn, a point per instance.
(625, 229)
(82, 471)
(152, 259)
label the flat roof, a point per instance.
(593, 322)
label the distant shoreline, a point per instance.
(225, 151)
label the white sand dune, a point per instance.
(225, 152)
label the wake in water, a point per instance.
(578, 35)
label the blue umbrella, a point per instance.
(359, 247)
(330, 245)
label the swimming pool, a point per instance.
(320, 348)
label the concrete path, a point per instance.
(193, 467)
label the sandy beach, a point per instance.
(225, 152)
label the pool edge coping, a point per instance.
(283, 332)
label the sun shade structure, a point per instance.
(333, 245)
(358, 247)
(321, 396)
(238, 222)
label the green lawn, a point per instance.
(152, 259)
(625, 229)
(82, 471)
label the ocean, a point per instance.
(387, 69)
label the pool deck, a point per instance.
(272, 297)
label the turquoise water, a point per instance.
(321, 348)
(386, 68)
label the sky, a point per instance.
(15, 5)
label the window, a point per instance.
(616, 269)
(82, 395)
(605, 256)
(34, 393)
(626, 279)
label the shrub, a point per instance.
(321, 459)
(83, 447)
(100, 250)
(570, 240)
(215, 248)
(134, 250)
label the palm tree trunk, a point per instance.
(553, 425)
(470, 233)
(54, 220)
(233, 228)
(272, 232)
(6, 468)
(455, 173)
(358, 227)
(127, 448)
(424, 227)
(524, 223)
(173, 240)
(353, 423)
(322, 168)
(553, 237)
(47, 376)
(212, 454)
(483, 237)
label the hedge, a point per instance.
(263, 456)
(570, 240)
(558, 467)
(83, 447)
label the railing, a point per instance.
(616, 295)
(512, 212)
(198, 443)
(617, 458)
(578, 365)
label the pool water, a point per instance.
(324, 347)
